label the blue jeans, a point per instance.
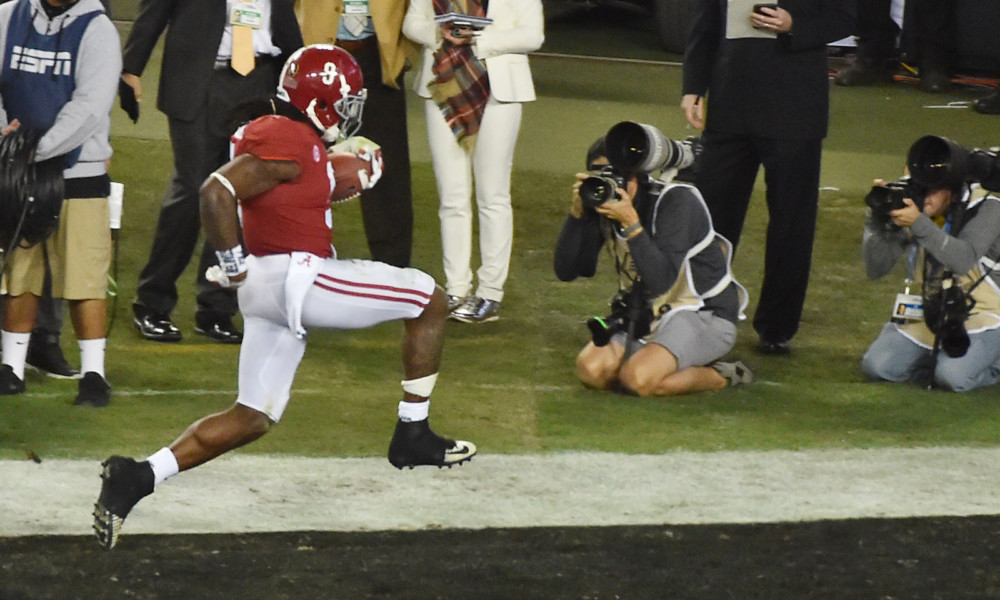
(895, 357)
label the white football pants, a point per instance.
(455, 169)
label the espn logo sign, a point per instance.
(41, 62)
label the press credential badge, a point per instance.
(356, 8)
(248, 13)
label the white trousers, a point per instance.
(455, 169)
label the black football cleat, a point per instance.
(125, 482)
(414, 444)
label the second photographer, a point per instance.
(677, 306)
(947, 334)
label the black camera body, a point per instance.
(883, 199)
(637, 148)
(946, 309)
(629, 314)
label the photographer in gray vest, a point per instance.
(675, 313)
(945, 332)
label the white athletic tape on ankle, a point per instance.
(414, 411)
(422, 387)
(164, 465)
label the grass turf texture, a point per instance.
(509, 385)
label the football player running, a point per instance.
(291, 280)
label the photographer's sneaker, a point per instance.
(93, 390)
(125, 482)
(454, 301)
(10, 383)
(48, 359)
(414, 444)
(735, 373)
(476, 310)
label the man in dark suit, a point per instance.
(765, 76)
(198, 89)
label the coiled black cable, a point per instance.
(31, 193)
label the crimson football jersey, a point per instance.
(294, 215)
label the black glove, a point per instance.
(126, 96)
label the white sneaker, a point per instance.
(736, 373)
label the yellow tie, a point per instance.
(243, 59)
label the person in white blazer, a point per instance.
(518, 27)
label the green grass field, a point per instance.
(509, 385)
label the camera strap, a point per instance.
(911, 261)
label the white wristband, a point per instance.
(232, 261)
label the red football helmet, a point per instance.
(325, 83)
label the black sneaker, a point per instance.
(93, 391)
(48, 359)
(988, 105)
(10, 384)
(125, 482)
(414, 444)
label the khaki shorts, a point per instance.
(79, 255)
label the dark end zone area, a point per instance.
(879, 559)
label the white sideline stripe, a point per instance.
(254, 494)
(302, 392)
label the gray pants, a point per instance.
(895, 357)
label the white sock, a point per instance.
(92, 356)
(164, 465)
(15, 351)
(414, 411)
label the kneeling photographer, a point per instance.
(948, 334)
(677, 305)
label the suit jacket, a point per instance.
(193, 37)
(518, 28)
(769, 87)
(320, 20)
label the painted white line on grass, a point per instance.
(301, 392)
(246, 493)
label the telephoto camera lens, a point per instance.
(640, 148)
(598, 189)
(940, 162)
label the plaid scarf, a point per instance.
(461, 86)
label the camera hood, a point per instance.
(636, 147)
(640, 148)
(938, 162)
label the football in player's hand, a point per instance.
(350, 174)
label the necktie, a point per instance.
(355, 24)
(243, 59)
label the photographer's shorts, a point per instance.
(78, 253)
(695, 338)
